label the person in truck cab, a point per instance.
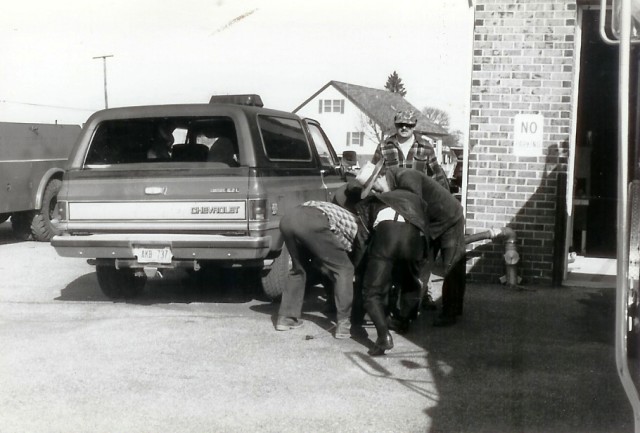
(162, 141)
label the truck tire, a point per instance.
(43, 225)
(274, 278)
(4, 217)
(119, 283)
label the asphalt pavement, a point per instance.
(203, 356)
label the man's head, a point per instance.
(372, 178)
(405, 121)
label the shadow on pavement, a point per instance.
(175, 286)
(535, 361)
(314, 310)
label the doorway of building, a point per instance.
(593, 218)
(595, 173)
(593, 235)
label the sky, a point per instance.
(184, 51)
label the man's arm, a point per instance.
(427, 153)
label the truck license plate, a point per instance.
(153, 255)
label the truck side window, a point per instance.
(326, 158)
(284, 139)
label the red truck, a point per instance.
(32, 160)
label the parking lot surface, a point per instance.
(192, 355)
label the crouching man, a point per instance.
(320, 233)
(396, 248)
(446, 231)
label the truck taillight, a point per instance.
(258, 209)
(61, 210)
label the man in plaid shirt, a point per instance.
(408, 149)
(324, 233)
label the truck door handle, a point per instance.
(155, 190)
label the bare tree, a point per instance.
(394, 84)
(371, 129)
(454, 139)
(437, 116)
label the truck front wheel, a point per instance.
(119, 283)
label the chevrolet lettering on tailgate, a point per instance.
(190, 186)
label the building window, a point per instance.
(355, 139)
(331, 106)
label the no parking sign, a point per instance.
(527, 134)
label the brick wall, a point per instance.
(523, 63)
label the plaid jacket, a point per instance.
(422, 157)
(342, 223)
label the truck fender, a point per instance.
(52, 173)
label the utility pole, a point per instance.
(104, 70)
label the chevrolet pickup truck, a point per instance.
(190, 186)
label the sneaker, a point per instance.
(343, 329)
(287, 323)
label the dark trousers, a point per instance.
(394, 255)
(452, 248)
(309, 239)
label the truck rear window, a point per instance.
(154, 140)
(284, 139)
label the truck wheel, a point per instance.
(43, 224)
(4, 217)
(119, 283)
(274, 278)
(21, 225)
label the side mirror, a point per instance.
(349, 164)
(349, 158)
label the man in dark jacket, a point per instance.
(446, 232)
(392, 232)
(395, 251)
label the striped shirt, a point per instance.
(341, 222)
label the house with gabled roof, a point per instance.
(358, 118)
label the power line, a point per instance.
(5, 101)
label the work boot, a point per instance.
(288, 323)
(384, 342)
(379, 318)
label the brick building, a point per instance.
(542, 140)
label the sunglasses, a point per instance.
(405, 125)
